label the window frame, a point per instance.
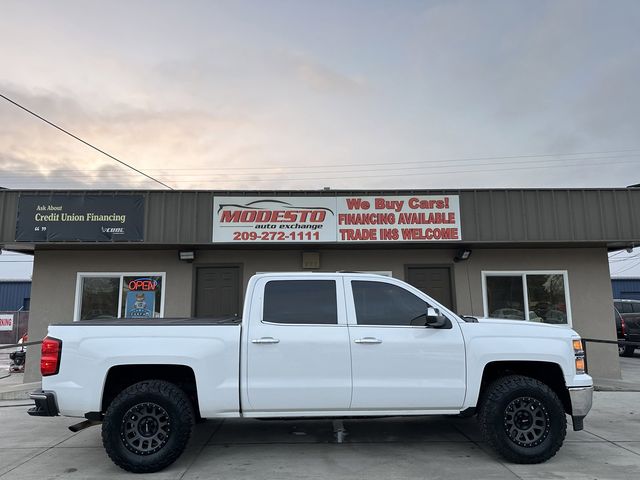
(523, 274)
(82, 275)
(311, 278)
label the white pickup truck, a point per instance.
(315, 345)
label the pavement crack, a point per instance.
(477, 444)
(199, 452)
(613, 443)
(37, 455)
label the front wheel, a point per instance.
(147, 426)
(522, 419)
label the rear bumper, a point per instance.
(46, 405)
(581, 401)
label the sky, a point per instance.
(306, 94)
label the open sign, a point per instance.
(144, 284)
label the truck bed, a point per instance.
(210, 347)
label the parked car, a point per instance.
(315, 345)
(627, 316)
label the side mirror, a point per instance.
(435, 319)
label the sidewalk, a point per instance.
(13, 388)
(630, 381)
(399, 448)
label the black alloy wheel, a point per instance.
(526, 422)
(145, 428)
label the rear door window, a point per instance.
(300, 302)
(635, 307)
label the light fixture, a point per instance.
(463, 254)
(310, 260)
(187, 256)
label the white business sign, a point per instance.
(432, 218)
(383, 218)
(6, 322)
(274, 219)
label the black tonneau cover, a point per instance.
(226, 320)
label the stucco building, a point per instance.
(532, 255)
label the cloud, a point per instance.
(206, 107)
(324, 79)
(161, 142)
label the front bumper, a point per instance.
(46, 405)
(581, 401)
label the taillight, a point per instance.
(622, 326)
(50, 358)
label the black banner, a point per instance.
(80, 218)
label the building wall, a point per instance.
(55, 274)
(487, 216)
(14, 295)
(628, 288)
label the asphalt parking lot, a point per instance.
(426, 447)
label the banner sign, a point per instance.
(6, 322)
(399, 219)
(336, 219)
(80, 218)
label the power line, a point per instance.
(626, 269)
(624, 259)
(290, 176)
(215, 171)
(83, 141)
(424, 164)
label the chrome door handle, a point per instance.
(368, 340)
(265, 340)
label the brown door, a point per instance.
(434, 281)
(217, 291)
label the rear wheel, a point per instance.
(627, 351)
(147, 426)
(522, 419)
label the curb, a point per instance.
(616, 388)
(20, 391)
(615, 385)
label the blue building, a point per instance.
(15, 295)
(628, 288)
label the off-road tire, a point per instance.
(171, 405)
(496, 413)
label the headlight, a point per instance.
(578, 352)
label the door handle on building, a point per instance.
(368, 340)
(265, 340)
